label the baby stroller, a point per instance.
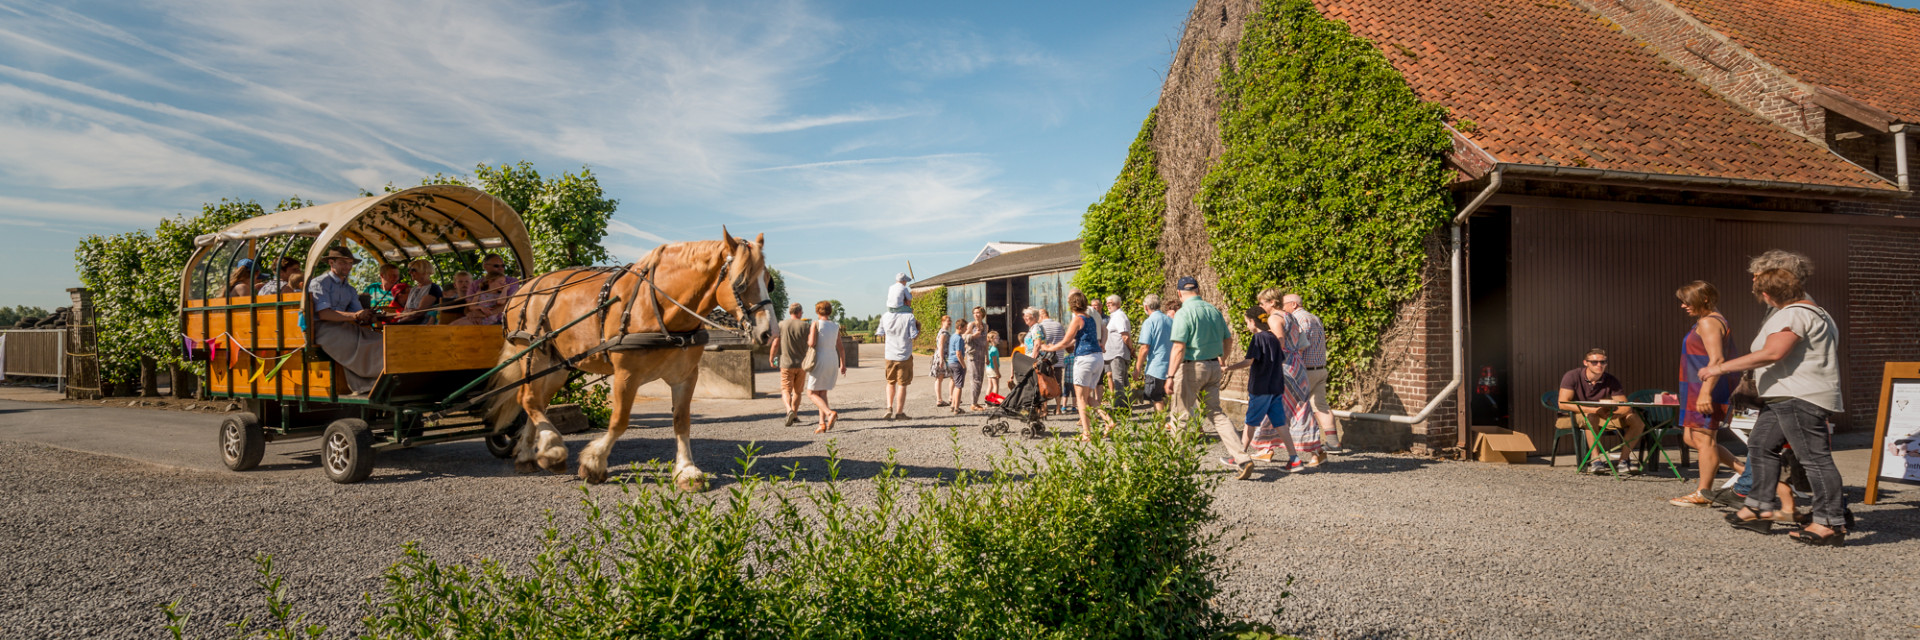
(1025, 400)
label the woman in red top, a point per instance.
(1703, 403)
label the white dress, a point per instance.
(826, 357)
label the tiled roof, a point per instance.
(1866, 50)
(1049, 258)
(1548, 83)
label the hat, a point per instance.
(1187, 283)
(341, 252)
(901, 277)
(244, 263)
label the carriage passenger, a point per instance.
(286, 278)
(420, 296)
(489, 296)
(342, 331)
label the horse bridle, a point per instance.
(739, 286)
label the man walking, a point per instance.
(1119, 334)
(1156, 345)
(899, 329)
(1314, 357)
(1200, 337)
(789, 349)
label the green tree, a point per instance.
(10, 316)
(778, 292)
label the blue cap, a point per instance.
(244, 263)
(1187, 283)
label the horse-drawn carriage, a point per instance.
(440, 383)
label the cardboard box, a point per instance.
(1501, 446)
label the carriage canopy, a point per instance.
(398, 227)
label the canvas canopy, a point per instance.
(400, 226)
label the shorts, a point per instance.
(957, 371)
(1118, 368)
(1317, 390)
(993, 374)
(900, 371)
(1087, 370)
(1268, 409)
(793, 380)
(1156, 390)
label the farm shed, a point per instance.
(1006, 283)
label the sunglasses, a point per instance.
(1599, 362)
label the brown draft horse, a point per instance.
(657, 298)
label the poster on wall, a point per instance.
(1900, 450)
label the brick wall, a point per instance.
(1883, 308)
(1415, 362)
(1725, 67)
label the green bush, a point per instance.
(1109, 540)
(1331, 180)
(927, 308)
(1120, 235)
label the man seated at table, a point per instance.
(1591, 383)
(343, 332)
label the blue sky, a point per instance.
(856, 135)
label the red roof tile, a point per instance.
(1866, 50)
(1548, 83)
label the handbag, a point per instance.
(1746, 395)
(1049, 384)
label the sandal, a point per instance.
(1838, 538)
(1691, 500)
(1757, 524)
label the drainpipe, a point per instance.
(1900, 152)
(1457, 267)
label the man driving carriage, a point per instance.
(342, 331)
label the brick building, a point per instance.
(1618, 149)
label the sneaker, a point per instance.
(1246, 471)
(1725, 497)
(1294, 464)
(1265, 455)
(889, 416)
(1229, 463)
(793, 418)
(901, 416)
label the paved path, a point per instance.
(106, 512)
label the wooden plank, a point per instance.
(418, 348)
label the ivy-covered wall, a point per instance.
(1331, 178)
(927, 308)
(1120, 235)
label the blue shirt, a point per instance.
(954, 345)
(331, 292)
(1157, 334)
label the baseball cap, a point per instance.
(900, 277)
(1187, 283)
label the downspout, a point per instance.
(1456, 268)
(1900, 152)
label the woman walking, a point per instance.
(1296, 396)
(976, 340)
(823, 343)
(1795, 360)
(1082, 340)
(1703, 400)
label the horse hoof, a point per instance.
(592, 476)
(525, 467)
(695, 482)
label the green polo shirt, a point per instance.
(1201, 327)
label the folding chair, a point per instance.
(1661, 422)
(1563, 426)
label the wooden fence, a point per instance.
(35, 352)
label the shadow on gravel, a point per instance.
(1373, 464)
(51, 407)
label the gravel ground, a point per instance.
(1379, 545)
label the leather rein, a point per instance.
(638, 340)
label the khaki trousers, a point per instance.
(1195, 381)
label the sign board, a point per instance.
(1896, 434)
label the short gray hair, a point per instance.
(1030, 312)
(1152, 302)
(1797, 264)
(1113, 299)
(794, 309)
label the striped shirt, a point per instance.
(1315, 333)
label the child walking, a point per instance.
(1268, 411)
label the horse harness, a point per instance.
(628, 341)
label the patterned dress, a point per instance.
(1306, 435)
(1693, 356)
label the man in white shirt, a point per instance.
(1119, 335)
(899, 329)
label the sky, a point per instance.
(858, 136)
